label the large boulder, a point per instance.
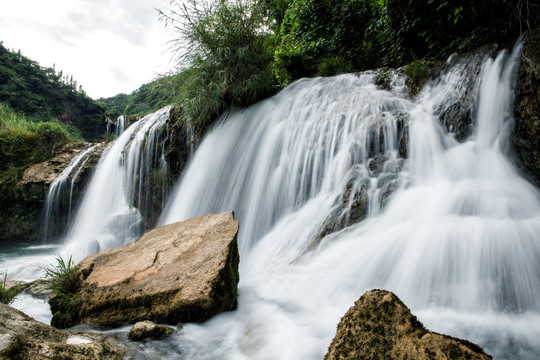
(182, 272)
(380, 326)
(526, 135)
(21, 337)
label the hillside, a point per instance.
(42, 94)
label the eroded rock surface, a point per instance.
(380, 326)
(182, 272)
(21, 337)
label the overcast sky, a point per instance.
(109, 46)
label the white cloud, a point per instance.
(109, 47)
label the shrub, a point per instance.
(65, 283)
(224, 56)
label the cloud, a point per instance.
(110, 46)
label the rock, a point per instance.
(525, 138)
(39, 288)
(21, 337)
(380, 326)
(455, 115)
(182, 272)
(23, 194)
(144, 330)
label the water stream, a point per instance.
(457, 241)
(341, 187)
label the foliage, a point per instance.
(8, 295)
(24, 142)
(313, 31)
(146, 99)
(226, 64)
(65, 283)
(42, 93)
(365, 34)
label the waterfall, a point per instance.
(449, 226)
(58, 191)
(109, 214)
(120, 126)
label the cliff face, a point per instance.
(526, 135)
(23, 194)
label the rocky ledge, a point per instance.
(381, 326)
(22, 337)
(182, 272)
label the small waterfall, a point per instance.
(120, 126)
(58, 193)
(109, 214)
(449, 226)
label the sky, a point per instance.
(109, 46)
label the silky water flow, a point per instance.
(456, 240)
(341, 187)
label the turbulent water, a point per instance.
(107, 216)
(457, 240)
(61, 191)
(341, 187)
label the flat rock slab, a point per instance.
(381, 326)
(22, 337)
(182, 272)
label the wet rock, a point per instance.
(148, 330)
(21, 337)
(24, 194)
(526, 135)
(182, 272)
(456, 113)
(380, 326)
(39, 288)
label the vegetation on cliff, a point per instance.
(234, 53)
(42, 94)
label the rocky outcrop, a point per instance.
(182, 272)
(24, 193)
(148, 330)
(526, 135)
(380, 326)
(21, 337)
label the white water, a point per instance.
(120, 126)
(458, 242)
(107, 216)
(58, 190)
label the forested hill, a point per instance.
(146, 99)
(42, 94)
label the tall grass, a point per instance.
(222, 49)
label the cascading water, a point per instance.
(58, 193)
(120, 126)
(457, 240)
(107, 216)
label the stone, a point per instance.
(182, 272)
(525, 137)
(22, 337)
(145, 330)
(381, 326)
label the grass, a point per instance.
(64, 283)
(7, 295)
